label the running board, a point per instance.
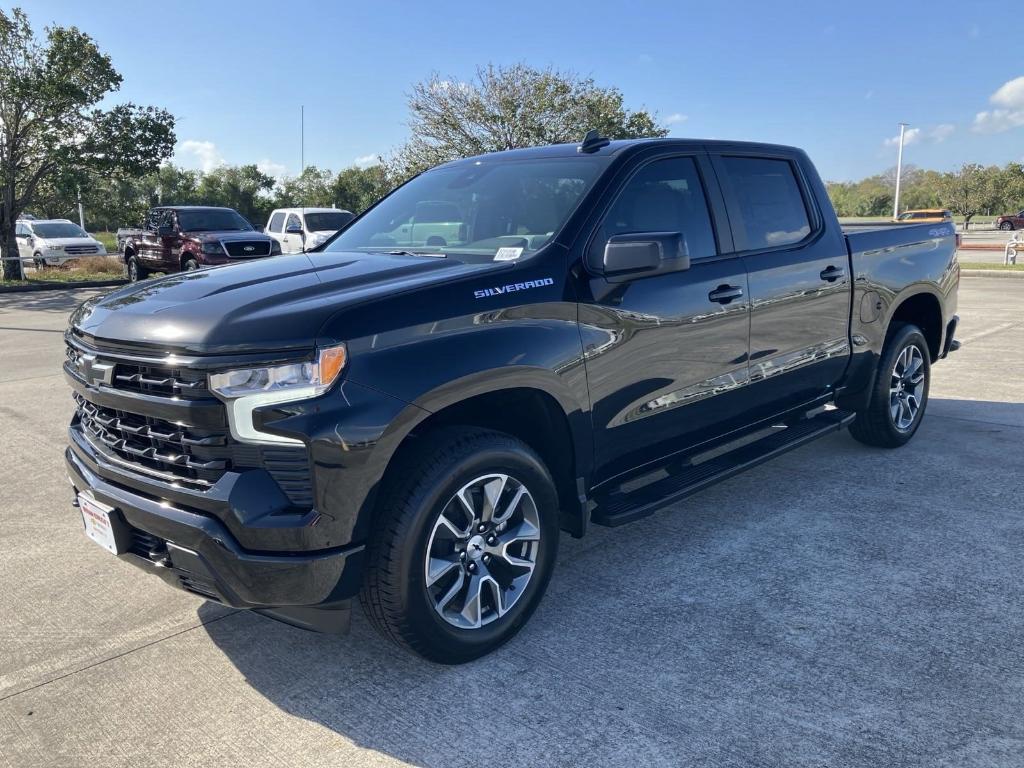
(620, 507)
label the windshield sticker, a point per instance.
(508, 254)
(512, 288)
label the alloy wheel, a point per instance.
(906, 388)
(482, 551)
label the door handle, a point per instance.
(723, 294)
(831, 274)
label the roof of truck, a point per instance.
(192, 208)
(620, 145)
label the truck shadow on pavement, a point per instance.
(837, 605)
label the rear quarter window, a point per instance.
(770, 207)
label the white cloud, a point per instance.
(1009, 112)
(934, 134)
(1010, 94)
(199, 154)
(676, 118)
(941, 132)
(269, 167)
(998, 120)
(910, 136)
(365, 161)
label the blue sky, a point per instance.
(834, 78)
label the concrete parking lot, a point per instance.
(837, 606)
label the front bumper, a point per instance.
(197, 553)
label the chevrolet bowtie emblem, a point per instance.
(95, 372)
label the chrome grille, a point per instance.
(197, 457)
(245, 249)
(159, 380)
(192, 456)
(80, 250)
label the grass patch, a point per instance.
(84, 270)
(990, 265)
(109, 240)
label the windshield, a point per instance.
(59, 229)
(328, 222)
(212, 220)
(476, 210)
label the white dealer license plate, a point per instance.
(98, 525)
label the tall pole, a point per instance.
(302, 139)
(899, 173)
(81, 214)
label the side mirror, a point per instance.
(165, 230)
(293, 230)
(642, 254)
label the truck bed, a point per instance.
(868, 238)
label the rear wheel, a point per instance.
(900, 394)
(1006, 225)
(464, 545)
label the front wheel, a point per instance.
(464, 545)
(1006, 226)
(900, 395)
(135, 270)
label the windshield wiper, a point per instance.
(433, 255)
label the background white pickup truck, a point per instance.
(299, 229)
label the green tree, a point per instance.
(356, 189)
(310, 188)
(242, 187)
(972, 190)
(509, 108)
(51, 129)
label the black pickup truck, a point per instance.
(607, 328)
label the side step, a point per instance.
(620, 507)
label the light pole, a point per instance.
(899, 174)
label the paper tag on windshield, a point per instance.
(508, 254)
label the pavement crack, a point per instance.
(117, 656)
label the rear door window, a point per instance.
(276, 221)
(767, 208)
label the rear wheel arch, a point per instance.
(924, 310)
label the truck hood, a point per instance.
(269, 305)
(63, 242)
(227, 236)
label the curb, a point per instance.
(1006, 273)
(55, 286)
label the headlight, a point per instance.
(213, 248)
(275, 248)
(249, 388)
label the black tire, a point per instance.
(190, 265)
(1006, 226)
(135, 271)
(37, 262)
(876, 425)
(396, 596)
